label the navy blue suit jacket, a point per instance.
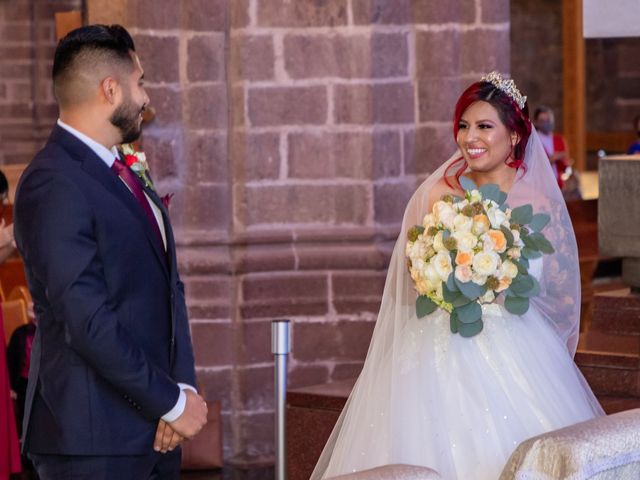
(113, 336)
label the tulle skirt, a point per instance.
(458, 405)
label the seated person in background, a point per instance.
(7, 245)
(557, 151)
(634, 148)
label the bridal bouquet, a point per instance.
(468, 251)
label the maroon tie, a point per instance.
(133, 183)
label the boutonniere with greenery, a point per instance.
(137, 162)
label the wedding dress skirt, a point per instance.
(459, 405)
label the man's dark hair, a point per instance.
(541, 109)
(85, 52)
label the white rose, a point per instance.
(479, 279)
(513, 253)
(462, 223)
(442, 264)
(459, 206)
(444, 213)
(466, 241)
(486, 263)
(428, 221)
(463, 273)
(509, 269)
(488, 297)
(496, 217)
(438, 245)
(475, 196)
(430, 273)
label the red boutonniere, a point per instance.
(137, 162)
(166, 200)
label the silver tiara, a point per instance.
(507, 85)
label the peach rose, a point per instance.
(464, 258)
(480, 224)
(498, 240)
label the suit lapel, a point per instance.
(168, 231)
(98, 170)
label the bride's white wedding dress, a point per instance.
(459, 405)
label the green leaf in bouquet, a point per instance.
(522, 214)
(456, 198)
(530, 254)
(467, 184)
(469, 313)
(502, 197)
(453, 322)
(525, 286)
(451, 283)
(541, 242)
(508, 235)
(522, 264)
(529, 242)
(468, 330)
(471, 290)
(424, 306)
(445, 234)
(539, 221)
(516, 305)
(490, 191)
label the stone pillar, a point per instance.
(618, 213)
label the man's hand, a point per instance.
(166, 438)
(193, 418)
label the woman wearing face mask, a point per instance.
(554, 143)
(432, 398)
(634, 148)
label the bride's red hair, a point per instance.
(512, 116)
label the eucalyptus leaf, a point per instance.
(451, 283)
(522, 284)
(453, 322)
(469, 313)
(522, 214)
(516, 305)
(468, 330)
(530, 254)
(449, 295)
(541, 242)
(529, 242)
(490, 191)
(445, 234)
(522, 267)
(502, 197)
(539, 221)
(470, 290)
(456, 198)
(467, 184)
(508, 235)
(424, 306)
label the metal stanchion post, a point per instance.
(280, 350)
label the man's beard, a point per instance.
(126, 119)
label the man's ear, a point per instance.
(110, 89)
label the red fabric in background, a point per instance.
(9, 447)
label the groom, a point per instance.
(111, 387)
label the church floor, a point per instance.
(230, 473)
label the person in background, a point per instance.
(634, 148)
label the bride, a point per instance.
(461, 405)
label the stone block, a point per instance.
(239, 13)
(388, 103)
(206, 106)
(438, 54)
(287, 105)
(387, 153)
(357, 284)
(483, 50)
(267, 287)
(147, 14)
(213, 343)
(237, 100)
(206, 157)
(323, 256)
(263, 258)
(303, 375)
(330, 155)
(256, 344)
(426, 148)
(256, 386)
(205, 58)
(216, 384)
(376, 55)
(255, 156)
(205, 15)
(345, 371)
(167, 103)
(322, 341)
(159, 151)
(494, 11)
(204, 206)
(329, 204)
(159, 68)
(400, 12)
(302, 13)
(390, 201)
(252, 57)
(437, 98)
(257, 434)
(200, 287)
(209, 310)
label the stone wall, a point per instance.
(292, 134)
